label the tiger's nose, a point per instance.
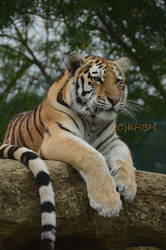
(113, 100)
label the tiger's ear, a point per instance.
(123, 63)
(74, 62)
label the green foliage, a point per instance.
(13, 10)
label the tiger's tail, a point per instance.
(47, 200)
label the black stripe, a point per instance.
(47, 244)
(40, 107)
(109, 144)
(92, 128)
(86, 71)
(42, 179)
(1, 151)
(97, 131)
(89, 76)
(79, 100)
(77, 87)
(28, 155)
(111, 109)
(20, 135)
(113, 147)
(47, 206)
(48, 132)
(47, 227)
(98, 64)
(82, 81)
(114, 172)
(103, 129)
(104, 141)
(87, 92)
(100, 67)
(12, 130)
(34, 119)
(116, 138)
(11, 151)
(83, 89)
(27, 126)
(69, 117)
(60, 98)
(62, 127)
(108, 150)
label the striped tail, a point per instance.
(39, 170)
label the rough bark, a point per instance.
(141, 222)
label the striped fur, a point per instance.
(76, 123)
(42, 176)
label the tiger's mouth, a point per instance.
(98, 109)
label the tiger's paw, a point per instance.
(104, 199)
(126, 184)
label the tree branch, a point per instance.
(36, 61)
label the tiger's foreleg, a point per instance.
(92, 167)
(122, 169)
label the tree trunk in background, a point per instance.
(141, 222)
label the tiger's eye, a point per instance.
(118, 81)
(97, 79)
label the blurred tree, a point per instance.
(110, 28)
(11, 10)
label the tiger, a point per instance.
(76, 124)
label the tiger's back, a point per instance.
(26, 129)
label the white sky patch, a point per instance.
(140, 101)
(152, 91)
(163, 81)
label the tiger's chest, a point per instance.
(98, 133)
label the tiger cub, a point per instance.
(76, 124)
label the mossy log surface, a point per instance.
(141, 222)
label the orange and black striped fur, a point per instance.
(76, 123)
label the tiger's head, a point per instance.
(98, 88)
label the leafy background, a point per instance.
(37, 36)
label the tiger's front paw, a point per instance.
(125, 183)
(104, 198)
